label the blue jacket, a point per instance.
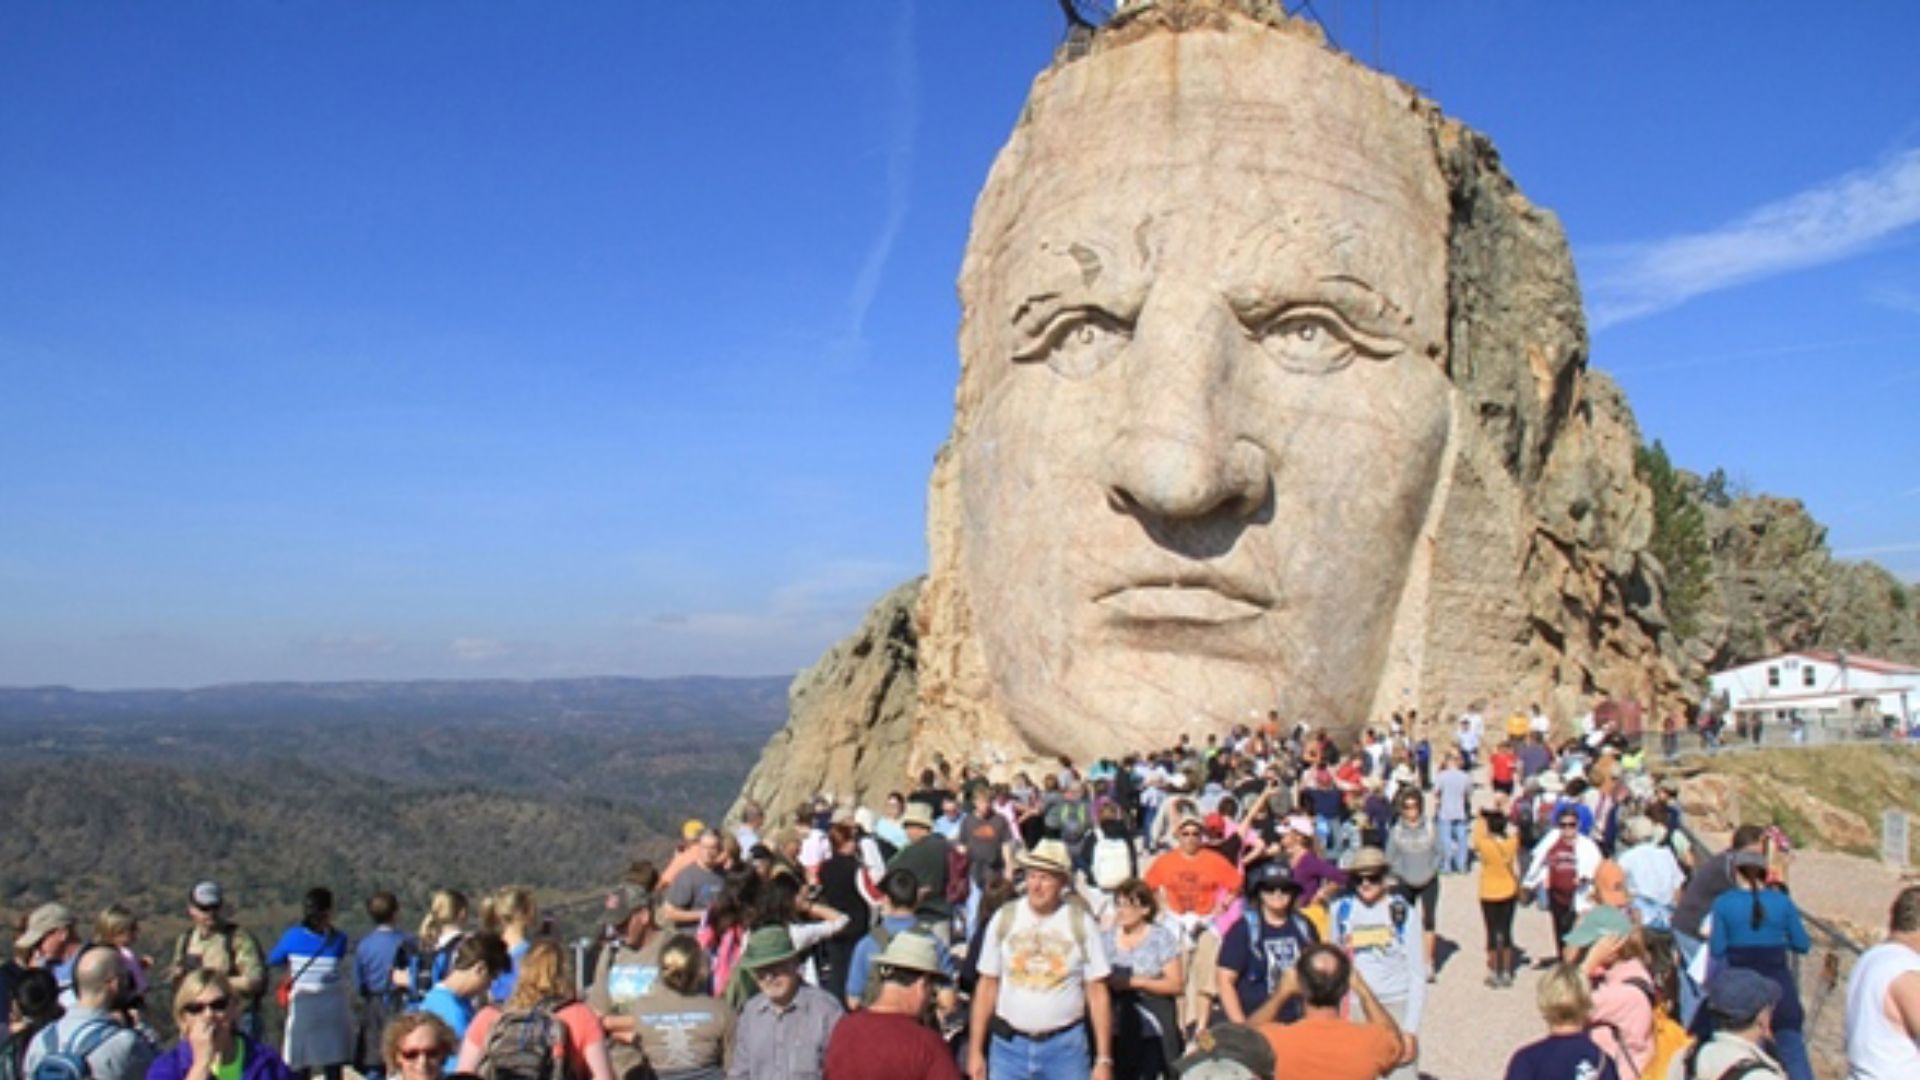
(262, 1063)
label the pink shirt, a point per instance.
(1620, 1004)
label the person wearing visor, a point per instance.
(1371, 924)
(1264, 944)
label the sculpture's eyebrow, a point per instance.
(1359, 298)
(1056, 273)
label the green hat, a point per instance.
(1603, 921)
(767, 946)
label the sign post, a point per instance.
(1893, 837)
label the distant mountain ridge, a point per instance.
(272, 787)
(490, 696)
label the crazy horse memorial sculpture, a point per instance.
(1273, 394)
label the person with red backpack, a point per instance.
(542, 1032)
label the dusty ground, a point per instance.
(1471, 1029)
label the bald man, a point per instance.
(93, 1028)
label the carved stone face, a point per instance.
(1205, 404)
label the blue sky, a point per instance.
(380, 340)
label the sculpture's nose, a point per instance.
(1176, 454)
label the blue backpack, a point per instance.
(69, 1062)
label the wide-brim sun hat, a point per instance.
(1048, 856)
(911, 951)
(767, 946)
(917, 813)
(1369, 860)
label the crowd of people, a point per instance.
(1260, 903)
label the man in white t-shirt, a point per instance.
(1883, 999)
(1538, 724)
(1042, 994)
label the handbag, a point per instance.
(283, 994)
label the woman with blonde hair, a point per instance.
(117, 926)
(441, 931)
(543, 991)
(416, 1046)
(512, 913)
(206, 1010)
(1567, 1050)
(686, 1033)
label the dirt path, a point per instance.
(1471, 1029)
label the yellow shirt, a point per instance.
(1497, 853)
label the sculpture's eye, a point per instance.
(1079, 342)
(1316, 341)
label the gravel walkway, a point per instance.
(1471, 1029)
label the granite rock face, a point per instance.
(1777, 587)
(850, 716)
(1273, 394)
(1448, 513)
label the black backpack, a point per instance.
(525, 1044)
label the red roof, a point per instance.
(1861, 663)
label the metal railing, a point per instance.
(1821, 975)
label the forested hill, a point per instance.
(133, 796)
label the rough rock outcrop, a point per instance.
(1776, 588)
(850, 715)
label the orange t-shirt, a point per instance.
(1192, 884)
(1330, 1048)
(583, 1031)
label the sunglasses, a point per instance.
(195, 1008)
(415, 1054)
(1569, 824)
(1369, 879)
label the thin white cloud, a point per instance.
(474, 650)
(1881, 549)
(903, 121)
(1897, 297)
(1825, 223)
(825, 603)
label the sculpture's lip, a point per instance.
(1204, 601)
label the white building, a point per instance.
(1822, 688)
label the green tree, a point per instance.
(1679, 538)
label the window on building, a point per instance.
(1806, 676)
(1773, 678)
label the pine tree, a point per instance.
(1679, 538)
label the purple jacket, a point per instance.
(262, 1063)
(1311, 871)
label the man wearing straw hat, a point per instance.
(784, 1028)
(1042, 994)
(889, 1040)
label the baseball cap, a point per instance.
(1272, 874)
(1737, 995)
(206, 895)
(1601, 921)
(45, 920)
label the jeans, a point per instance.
(1790, 1048)
(1690, 993)
(1453, 840)
(1063, 1057)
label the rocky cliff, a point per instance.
(1777, 587)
